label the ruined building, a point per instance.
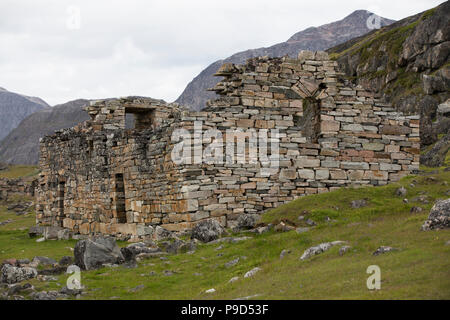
(100, 177)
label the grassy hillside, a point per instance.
(419, 269)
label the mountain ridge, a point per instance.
(312, 38)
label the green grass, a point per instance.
(19, 171)
(420, 269)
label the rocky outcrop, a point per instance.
(93, 253)
(196, 95)
(439, 217)
(207, 230)
(407, 63)
(435, 157)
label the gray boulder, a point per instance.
(10, 274)
(312, 251)
(207, 230)
(35, 231)
(439, 217)
(247, 221)
(355, 204)
(383, 249)
(130, 252)
(93, 253)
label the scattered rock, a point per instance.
(210, 290)
(234, 279)
(93, 253)
(232, 263)
(17, 288)
(439, 217)
(10, 274)
(302, 230)
(50, 295)
(343, 250)
(44, 278)
(42, 261)
(162, 234)
(383, 249)
(355, 204)
(35, 231)
(416, 210)
(66, 261)
(422, 199)
(284, 252)
(13, 262)
(207, 230)
(283, 227)
(2, 223)
(179, 246)
(52, 271)
(312, 251)
(310, 222)
(136, 289)
(133, 250)
(401, 192)
(252, 272)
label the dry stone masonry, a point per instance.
(99, 177)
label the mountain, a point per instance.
(314, 38)
(21, 145)
(14, 108)
(407, 62)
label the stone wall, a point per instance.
(10, 187)
(100, 177)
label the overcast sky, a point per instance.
(63, 50)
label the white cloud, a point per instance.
(151, 48)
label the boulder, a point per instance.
(93, 253)
(35, 231)
(247, 221)
(401, 192)
(439, 217)
(312, 251)
(355, 204)
(252, 272)
(436, 156)
(42, 261)
(66, 261)
(130, 252)
(207, 230)
(383, 249)
(10, 274)
(160, 233)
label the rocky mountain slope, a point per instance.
(21, 146)
(314, 38)
(14, 108)
(408, 63)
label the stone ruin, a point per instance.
(101, 178)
